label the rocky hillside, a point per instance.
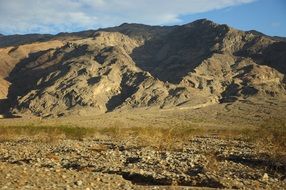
(11, 56)
(133, 65)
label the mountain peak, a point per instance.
(132, 25)
(204, 22)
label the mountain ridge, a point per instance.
(88, 33)
(133, 65)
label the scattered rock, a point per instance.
(79, 183)
(133, 166)
(265, 177)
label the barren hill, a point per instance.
(133, 65)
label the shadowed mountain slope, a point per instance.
(133, 65)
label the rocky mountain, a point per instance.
(14, 40)
(133, 65)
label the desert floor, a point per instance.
(224, 146)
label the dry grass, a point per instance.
(270, 136)
(272, 139)
(43, 133)
(269, 139)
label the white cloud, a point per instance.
(50, 16)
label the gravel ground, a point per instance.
(203, 163)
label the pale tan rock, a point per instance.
(136, 66)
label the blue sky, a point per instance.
(267, 16)
(54, 16)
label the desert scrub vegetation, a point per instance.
(43, 133)
(160, 138)
(157, 138)
(270, 136)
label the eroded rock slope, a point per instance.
(135, 65)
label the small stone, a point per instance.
(79, 183)
(265, 177)
(57, 170)
(237, 185)
(98, 179)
